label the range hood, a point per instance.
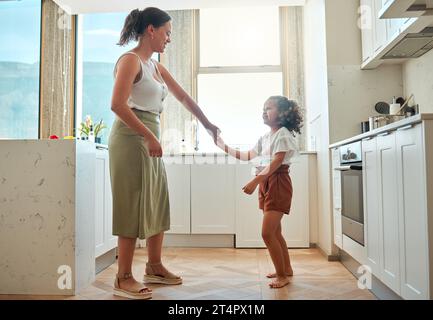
(413, 45)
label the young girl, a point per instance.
(275, 148)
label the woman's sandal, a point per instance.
(152, 277)
(137, 292)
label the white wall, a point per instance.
(353, 92)
(418, 79)
(316, 100)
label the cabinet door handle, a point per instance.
(409, 126)
(342, 168)
(383, 134)
(368, 138)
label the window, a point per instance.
(20, 25)
(98, 52)
(239, 68)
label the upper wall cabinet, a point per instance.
(384, 38)
(404, 8)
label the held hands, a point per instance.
(220, 143)
(250, 187)
(214, 131)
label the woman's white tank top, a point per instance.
(148, 94)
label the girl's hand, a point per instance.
(250, 187)
(259, 169)
(154, 148)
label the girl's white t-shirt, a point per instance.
(272, 143)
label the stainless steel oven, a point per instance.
(352, 209)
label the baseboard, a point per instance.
(378, 288)
(196, 241)
(104, 261)
(329, 257)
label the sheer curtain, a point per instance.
(179, 61)
(293, 60)
(57, 71)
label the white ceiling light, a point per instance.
(94, 6)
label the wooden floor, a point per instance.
(220, 274)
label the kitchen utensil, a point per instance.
(394, 107)
(380, 121)
(365, 126)
(404, 104)
(400, 100)
(382, 107)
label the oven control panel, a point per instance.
(351, 153)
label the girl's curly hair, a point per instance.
(290, 114)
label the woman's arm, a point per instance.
(266, 173)
(128, 68)
(183, 97)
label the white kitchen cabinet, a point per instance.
(179, 186)
(367, 28)
(380, 33)
(336, 191)
(379, 27)
(412, 213)
(372, 223)
(212, 198)
(104, 239)
(249, 217)
(393, 27)
(398, 184)
(388, 211)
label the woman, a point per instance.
(138, 178)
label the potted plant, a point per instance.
(89, 130)
(98, 128)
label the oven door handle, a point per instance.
(342, 168)
(356, 167)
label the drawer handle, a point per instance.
(409, 126)
(342, 168)
(383, 134)
(368, 138)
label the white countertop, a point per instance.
(390, 127)
(196, 153)
(214, 154)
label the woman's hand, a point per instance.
(220, 143)
(214, 131)
(250, 187)
(154, 148)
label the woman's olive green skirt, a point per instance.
(141, 206)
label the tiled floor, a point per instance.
(221, 274)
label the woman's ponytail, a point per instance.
(137, 21)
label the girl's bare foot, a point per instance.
(274, 275)
(279, 282)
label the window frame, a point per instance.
(281, 68)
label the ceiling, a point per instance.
(93, 6)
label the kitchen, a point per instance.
(339, 76)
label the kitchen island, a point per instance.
(47, 222)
